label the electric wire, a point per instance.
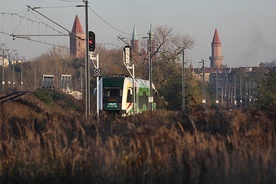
(18, 23)
(28, 37)
(50, 7)
(129, 34)
(21, 18)
(108, 23)
(47, 26)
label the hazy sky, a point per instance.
(247, 28)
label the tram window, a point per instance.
(113, 92)
(129, 95)
(106, 92)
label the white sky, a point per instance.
(246, 28)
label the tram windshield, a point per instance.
(113, 92)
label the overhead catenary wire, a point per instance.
(21, 18)
(129, 34)
(16, 27)
(44, 23)
(52, 7)
(18, 23)
(53, 21)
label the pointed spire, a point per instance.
(216, 39)
(134, 35)
(151, 32)
(77, 26)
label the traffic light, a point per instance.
(91, 41)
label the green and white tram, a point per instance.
(116, 95)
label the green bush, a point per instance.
(44, 95)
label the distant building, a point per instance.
(5, 61)
(232, 89)
(216, 58)
(134, 42)
(77, 40)
(9, 61)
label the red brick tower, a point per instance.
(77, 43)
(216, 58)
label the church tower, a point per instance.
(216, 58)
(77, 41)
(134, 43)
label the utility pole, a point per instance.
(150, 100)
(228, 91)
(3, 66)
(8, 54)
(87, 65)
(35, 75)
(16, 59)
(234, 91)
(183, 81)
(21, 74)
(3, 81)
(134, 91)
(240, 92)
(217, 101)
(245, 92)
(203, 86)
(98, 91)
(81, 80)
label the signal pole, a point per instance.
(87, 66)
(21, 74)
(126, 60)
(150, 73)
(96, 74)
(183, 81)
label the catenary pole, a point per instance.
(203, 85)
(150, 72)
(98, 91)
(87, 66)
(3, 80)
(183, 81)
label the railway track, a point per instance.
(12, 96)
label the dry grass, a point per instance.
(158, 147)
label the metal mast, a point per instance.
(150, 72)
(87, 66)
(183, 81)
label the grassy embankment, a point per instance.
(55, 146)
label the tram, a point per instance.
(116, 94)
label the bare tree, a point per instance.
(167, 68)
(171, 45)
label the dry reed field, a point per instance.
(44, 146)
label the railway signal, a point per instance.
(127, 55)
(91, 41)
